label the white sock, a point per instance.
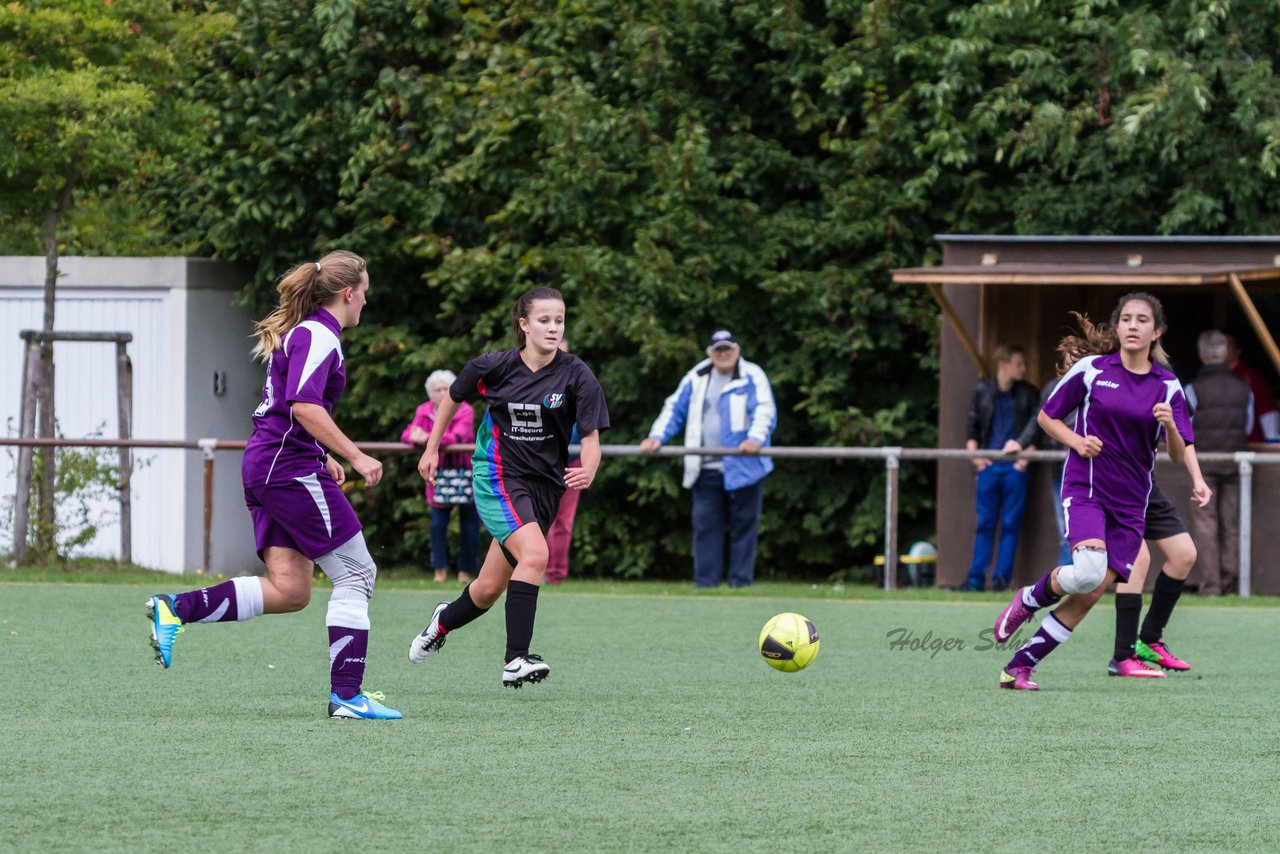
(248, 597)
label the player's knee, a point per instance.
(1087, 571)
(535, 557)
(351, 567)
(361, 583)
(1181, 559)
(294, 598)
(484, 592)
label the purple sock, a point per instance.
(347, 650)
(1050, 634)
(215, 604)
(1040, 595)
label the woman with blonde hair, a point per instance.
(292, 485)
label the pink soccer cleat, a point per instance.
(1013, 616)
(1133, 666)
(1158, 653)
(1018, 679)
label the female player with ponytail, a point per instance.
(1124, 403)
(536, 394)
(1136, 650)
(292, 485)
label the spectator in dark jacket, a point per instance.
(1001, 407)
(1266, 422)
(1223, 416)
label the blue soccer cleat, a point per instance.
(362, 707)
(165, 626)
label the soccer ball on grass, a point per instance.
(789, 643)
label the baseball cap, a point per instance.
(721, 338)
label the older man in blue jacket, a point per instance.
(727, 402)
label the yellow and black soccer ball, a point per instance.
(789, 643)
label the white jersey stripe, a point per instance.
(312, 484)
(323, 342)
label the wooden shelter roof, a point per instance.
(1019, 259)
(1231, 262)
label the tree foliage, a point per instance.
(92, 97)
(675, 167)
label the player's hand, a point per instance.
(368, 468)
(649, 445)
(418, 436)
(335, 470)
(1087, 446)
(578, 477)
(749, 446)
(427, 465)
(1201, 493)
(1163, 413)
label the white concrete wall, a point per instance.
(220, 333)
(166, 303)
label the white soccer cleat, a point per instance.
(430, 639)
(524, 668)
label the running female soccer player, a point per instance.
(291, 485)
(1125, 401)
(536, 393)
(1163, 526)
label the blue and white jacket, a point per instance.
(747, 411)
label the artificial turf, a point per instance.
(660, 728)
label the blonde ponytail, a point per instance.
(302, 290)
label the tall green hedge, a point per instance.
(674, 167)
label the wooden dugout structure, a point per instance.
(1019, 289)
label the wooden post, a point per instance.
(124, 410)
(1256, 321)
(46, 519)
(958, 328)
(26, 453)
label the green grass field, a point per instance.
(659, 729)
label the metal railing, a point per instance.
(1245, 462)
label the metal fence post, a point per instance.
(892, 461)
(207, 449)
(1244, 462)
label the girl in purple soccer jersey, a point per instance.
(1136, 650)
(1124, 402)
(536, 394)
(292, 485)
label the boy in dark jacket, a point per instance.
(1001, 406)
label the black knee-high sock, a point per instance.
(461, 611)
(1128, 609)
(522, 606)
(1163, 598)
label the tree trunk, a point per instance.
(46, 518)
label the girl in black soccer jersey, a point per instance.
(536, 393)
